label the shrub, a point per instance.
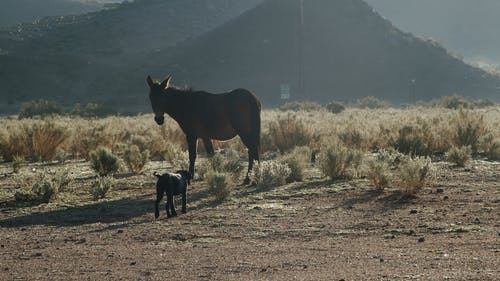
(298, 106)
(92, 110)
(336, 161)
(178, 158)
(414, 173)
(289, 132)
(229, 163)
(352, 138)
(468, 128)
(482, 103)
(101, 186)
(297, 161)
(16, 163)
(491, 146)
(335, 107)
(40, 189)
(411, 141)
(103, 161)
(390, 156)
(459, 155)
(372, 102)
(135, 159)
(270, 173)
(44, 139)
(13, 144)
(62, 180)
(219, 184)
(378, 173)
(40, 108)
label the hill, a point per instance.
(104, 55)
(343, 51)
(18, 11)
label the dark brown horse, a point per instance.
(209, 116)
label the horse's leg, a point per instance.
(192, 155)
(253, 154)
(184, 201)
(208, 146)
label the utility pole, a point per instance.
(302, 90)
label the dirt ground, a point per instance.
(316, 230)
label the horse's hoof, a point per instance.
(246, 181)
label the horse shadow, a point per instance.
(100, 212)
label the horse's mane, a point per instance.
(185, 89)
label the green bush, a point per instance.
(468, 127)
(219, 184)
(103, 161)
(92, 110)
(372, 102)
(177, 157)
(297, 161)
(270, 173)
(300, 106)
(453, 102)
(228, 163)
(100, 187)
(391, 156)
(459, 155)
(413, 174)
(39, 108)
(40, 189)
(411, 141)
(336, 161)
(378, 173)
(135, 159)
(335, 107)
(289, 132)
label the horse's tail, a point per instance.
(256, 122)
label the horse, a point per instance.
(207, 116)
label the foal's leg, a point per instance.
(159, 196)
(192, 155)
(170, 199)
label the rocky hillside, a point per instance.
(104, 55)
(342, 51)
(328, 50)
(19, 11)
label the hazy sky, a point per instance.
(467, 27)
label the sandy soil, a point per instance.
(316, 230)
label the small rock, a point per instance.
(411, 232)
(381, 260)
(477, 221)
(37, 255)
(120, 231)
(413, 211)
(439, 190)
(446, 198)
(421, 239)
(133, 263)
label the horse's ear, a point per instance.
(166, 83)
(150, 81)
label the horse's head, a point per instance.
(157, 94)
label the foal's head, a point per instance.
(157, 94)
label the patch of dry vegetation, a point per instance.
(341, 143)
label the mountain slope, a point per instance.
(348, 51)
(105, 55)
(18, 11)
